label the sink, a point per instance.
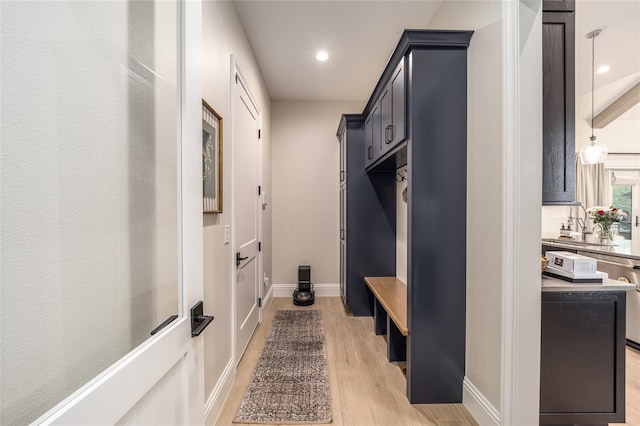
(575, 243)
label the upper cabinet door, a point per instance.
(368, 140)
(398, 121)
(392, 111)
(558, 144)
(386, 119)
(343, 156)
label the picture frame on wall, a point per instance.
(211, 159)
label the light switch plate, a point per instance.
(227, 234)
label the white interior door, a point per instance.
(246, 154)
(101, 213)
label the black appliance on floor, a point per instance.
(304, 295)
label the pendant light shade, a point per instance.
(593, 152)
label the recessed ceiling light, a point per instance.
(603, 69)
(322, 56)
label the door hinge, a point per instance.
(259, 189)
(259, 246)
(259, 133)
(259, 302)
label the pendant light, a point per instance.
(593, 152)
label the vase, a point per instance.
(607, 232)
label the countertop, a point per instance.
(555, 284)
(619, 250)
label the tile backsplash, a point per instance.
(553, 217)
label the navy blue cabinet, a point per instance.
(395, 127)
(386, 117)
(367, 219)
(416, 117)
(386, 122)
(372, 136)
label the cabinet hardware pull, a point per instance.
(388, 134)
(370, 152)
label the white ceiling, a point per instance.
(361, 35)
(617, 46)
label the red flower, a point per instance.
(601, 212)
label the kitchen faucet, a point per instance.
(582, 223)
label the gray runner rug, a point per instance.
(290, 383)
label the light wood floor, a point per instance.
(366, 389)
(632, 390)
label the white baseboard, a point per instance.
(478, 405)
(321, 290)
(268, 298)
(219, 394)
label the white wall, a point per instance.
(504, 160)
(552, 219)
(223, 35)
(484, 188)
(522, 150)
(305, 165)
(401, 228)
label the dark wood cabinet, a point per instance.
(558, 5)
(367, 220)
(582, 363)
(558, 137)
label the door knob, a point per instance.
(240, 259)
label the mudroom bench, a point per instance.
(390, 314)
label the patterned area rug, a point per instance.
(290, 383)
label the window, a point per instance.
(622, 193)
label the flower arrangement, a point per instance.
(605, 217)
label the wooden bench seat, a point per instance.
(390, 313)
